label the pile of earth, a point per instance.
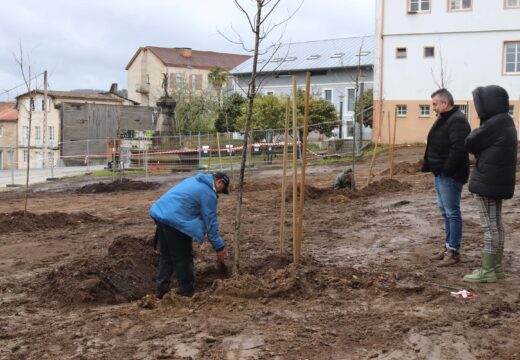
(375, 188)
(405, 167)
(117, 185)
(17, 222)
(126, 273)
(311, 192)
(278, 277)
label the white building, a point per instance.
(424, 44)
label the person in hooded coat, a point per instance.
(492, 180)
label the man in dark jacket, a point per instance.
(187, 211)
(448, 160)
(494, 144)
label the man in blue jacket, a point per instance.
(187, 211)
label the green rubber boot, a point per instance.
(486, 273)
(499, 272)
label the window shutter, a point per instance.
(199, 82)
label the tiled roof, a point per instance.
(8, 111)
(197, 60)
(79, 95)
(314, 55)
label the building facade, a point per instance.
(336, 66)
(423, 45)
(44, 145)
(8, 134)
(186, 69)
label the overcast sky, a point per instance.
(86, 44)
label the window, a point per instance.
(269, 93)
(402, 110)
(464, 108)
(51, 135)
(418, 6)
(512, 57)
(459, 5)
(511, 4)
(327, 95)
(400, 53)
(1, 131)
(38, 133)
(193, 81)
(424, 110)
(25, 155)
(511, 113)
(351, 99)
(429, 51)
(179, 81)
(25, 135)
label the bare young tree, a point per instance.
(26, 72)
(259, 15)
(443, 79)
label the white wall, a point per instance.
(471, 43)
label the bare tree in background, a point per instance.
(259, 15)
(443, 79)
(25, 70)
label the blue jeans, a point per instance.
(448, 198)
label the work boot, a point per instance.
(499, 272)
(159, 293)
(486, 273)
(439, 255)
(185, 292)
(450, 258)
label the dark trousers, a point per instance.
(176, 250)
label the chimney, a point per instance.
(113, 88)
(186, 52)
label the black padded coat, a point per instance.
(494, 144)
(445, 153)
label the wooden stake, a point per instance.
(219, 154)
(295, 169)
(393, 146)
(284, 177)
(375, 147)
(389, 143)
(304, 163)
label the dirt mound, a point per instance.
(258, 186)
(383, 186)
(117, 185)
(17, 222)
(278, 277)
(375, 188)
(124, 274)
(311, 192)
(405, 167)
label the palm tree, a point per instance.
(217, 77)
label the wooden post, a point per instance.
(393, 146)
(45, 111)
(295, 169)
(219, 155)
(375, 148)
(304, 162)
(389, 143)
(284, 177)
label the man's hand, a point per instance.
(221, 255)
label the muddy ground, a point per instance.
(76, 276)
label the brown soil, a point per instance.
(405, 167)
(124, 274)
(17, 222)
(363, 288)
(117, 185)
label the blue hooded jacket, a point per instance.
(191, 208)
